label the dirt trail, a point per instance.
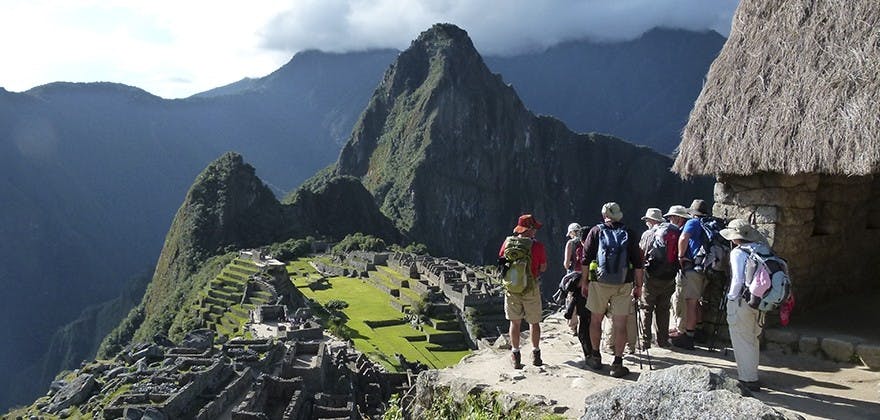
(810, 386)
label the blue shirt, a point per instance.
(693, 228)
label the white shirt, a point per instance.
(738, 259)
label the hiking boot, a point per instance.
(619, 371)
(663, 343)
(536, 358)
(594, 362)
(683, 341)
(753, 386)
(515, 360)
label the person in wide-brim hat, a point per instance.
(741, 230)
(699, 208)
(680, 211)
(654, 214)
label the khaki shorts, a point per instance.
(616, 299)
(525, 306)
(693, 283)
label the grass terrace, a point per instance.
(378, 329)
(220, 303)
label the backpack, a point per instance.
(612, 256)
(714, 251)
(767, 282)
(516, 270)
(661, 254)
(578, 254)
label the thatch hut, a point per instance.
(789, 123)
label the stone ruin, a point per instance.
(457, 293)
(242, 379)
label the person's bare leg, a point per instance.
(535, 332)
(596, 329)
(514, 333)
(618, 324)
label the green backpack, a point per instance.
(517, 271)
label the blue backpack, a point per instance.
(714, 252)
(612, 256)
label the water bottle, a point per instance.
(594, 270)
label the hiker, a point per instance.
(691, 281)
(742, 319)
(576, 301)
(660, 252)
(574, 253)
(618, 280)
(526, 304)
(573, 249)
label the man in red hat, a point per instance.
(526, 305)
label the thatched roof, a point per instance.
(796, 89)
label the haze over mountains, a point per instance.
(94, 172)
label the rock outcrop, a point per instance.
(680, 392)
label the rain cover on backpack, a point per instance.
(767, 283)
(612, 254)
(517, 268)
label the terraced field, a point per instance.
(375, 315)
(221, 305)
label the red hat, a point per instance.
(526, 222)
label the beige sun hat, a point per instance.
(654, 214)
(680, 211)
(741, 229)
(612, 211)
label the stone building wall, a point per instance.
(826, 226)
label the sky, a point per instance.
(178, 48)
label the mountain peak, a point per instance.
(446, 146)
(444, 38)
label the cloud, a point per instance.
(497, 27)
(175, 49)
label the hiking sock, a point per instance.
(618, 360)
(690, 333)
(596, 354)
(516, 350)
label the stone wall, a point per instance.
(825, 226)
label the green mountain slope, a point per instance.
(229, 208)
(453, 157)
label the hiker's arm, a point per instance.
(566, 262)
(683, 246)
(539, 256)
(639, 281)
(637, 262)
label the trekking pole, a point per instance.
(722, 310)
(639, 326)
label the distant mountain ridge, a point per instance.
(640, 90)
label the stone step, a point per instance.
(846, 349)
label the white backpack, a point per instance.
(767, 282)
